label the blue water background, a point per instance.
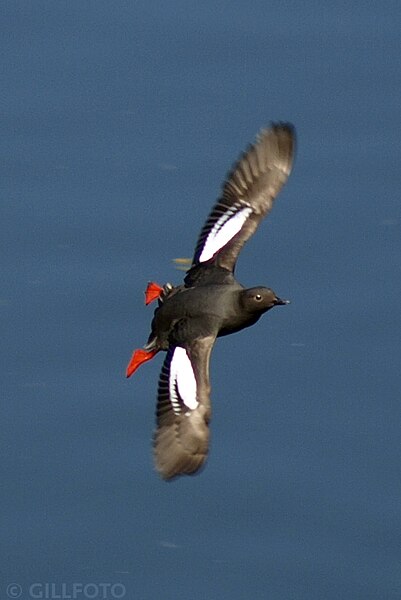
(119, 121)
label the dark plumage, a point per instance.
(211, 303)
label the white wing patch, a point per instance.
(223, 231)
(182, 383)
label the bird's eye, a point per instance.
(258, 297)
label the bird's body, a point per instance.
(219, 309)
(211, 303)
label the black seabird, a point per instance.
(211, 303)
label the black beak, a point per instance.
(279, 302)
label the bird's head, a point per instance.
(260, 300)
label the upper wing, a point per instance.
(248, 195)
(183, 409)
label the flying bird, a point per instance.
(211, 303)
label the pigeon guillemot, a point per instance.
(211, 303)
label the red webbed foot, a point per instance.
(152, 292)
(138, 358)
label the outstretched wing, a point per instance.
(248, 195)
(183, 409)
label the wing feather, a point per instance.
(247, 197)
(183, 409)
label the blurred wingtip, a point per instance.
(182, 264)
